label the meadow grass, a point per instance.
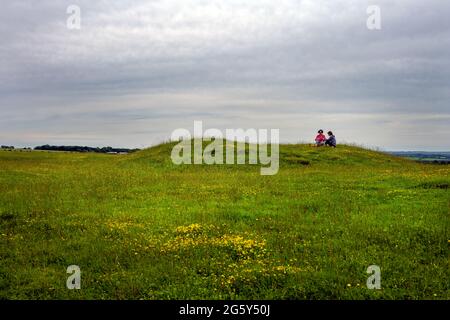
(140, 227)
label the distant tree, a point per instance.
(84, 149)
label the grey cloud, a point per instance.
(283, 64)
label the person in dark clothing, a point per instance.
(331, 141)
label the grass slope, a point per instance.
(140, 227)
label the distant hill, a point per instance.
(290, 155)
(424, 156)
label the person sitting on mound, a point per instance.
(320, 138)
(331, 141)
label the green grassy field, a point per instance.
(140, 227)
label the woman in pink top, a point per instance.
(320, 138)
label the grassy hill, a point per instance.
(140, 227)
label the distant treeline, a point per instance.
(84, 149)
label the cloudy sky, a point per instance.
(138, 69)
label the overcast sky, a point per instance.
(137, 70)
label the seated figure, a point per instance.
(320, 138)
(331, 141)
